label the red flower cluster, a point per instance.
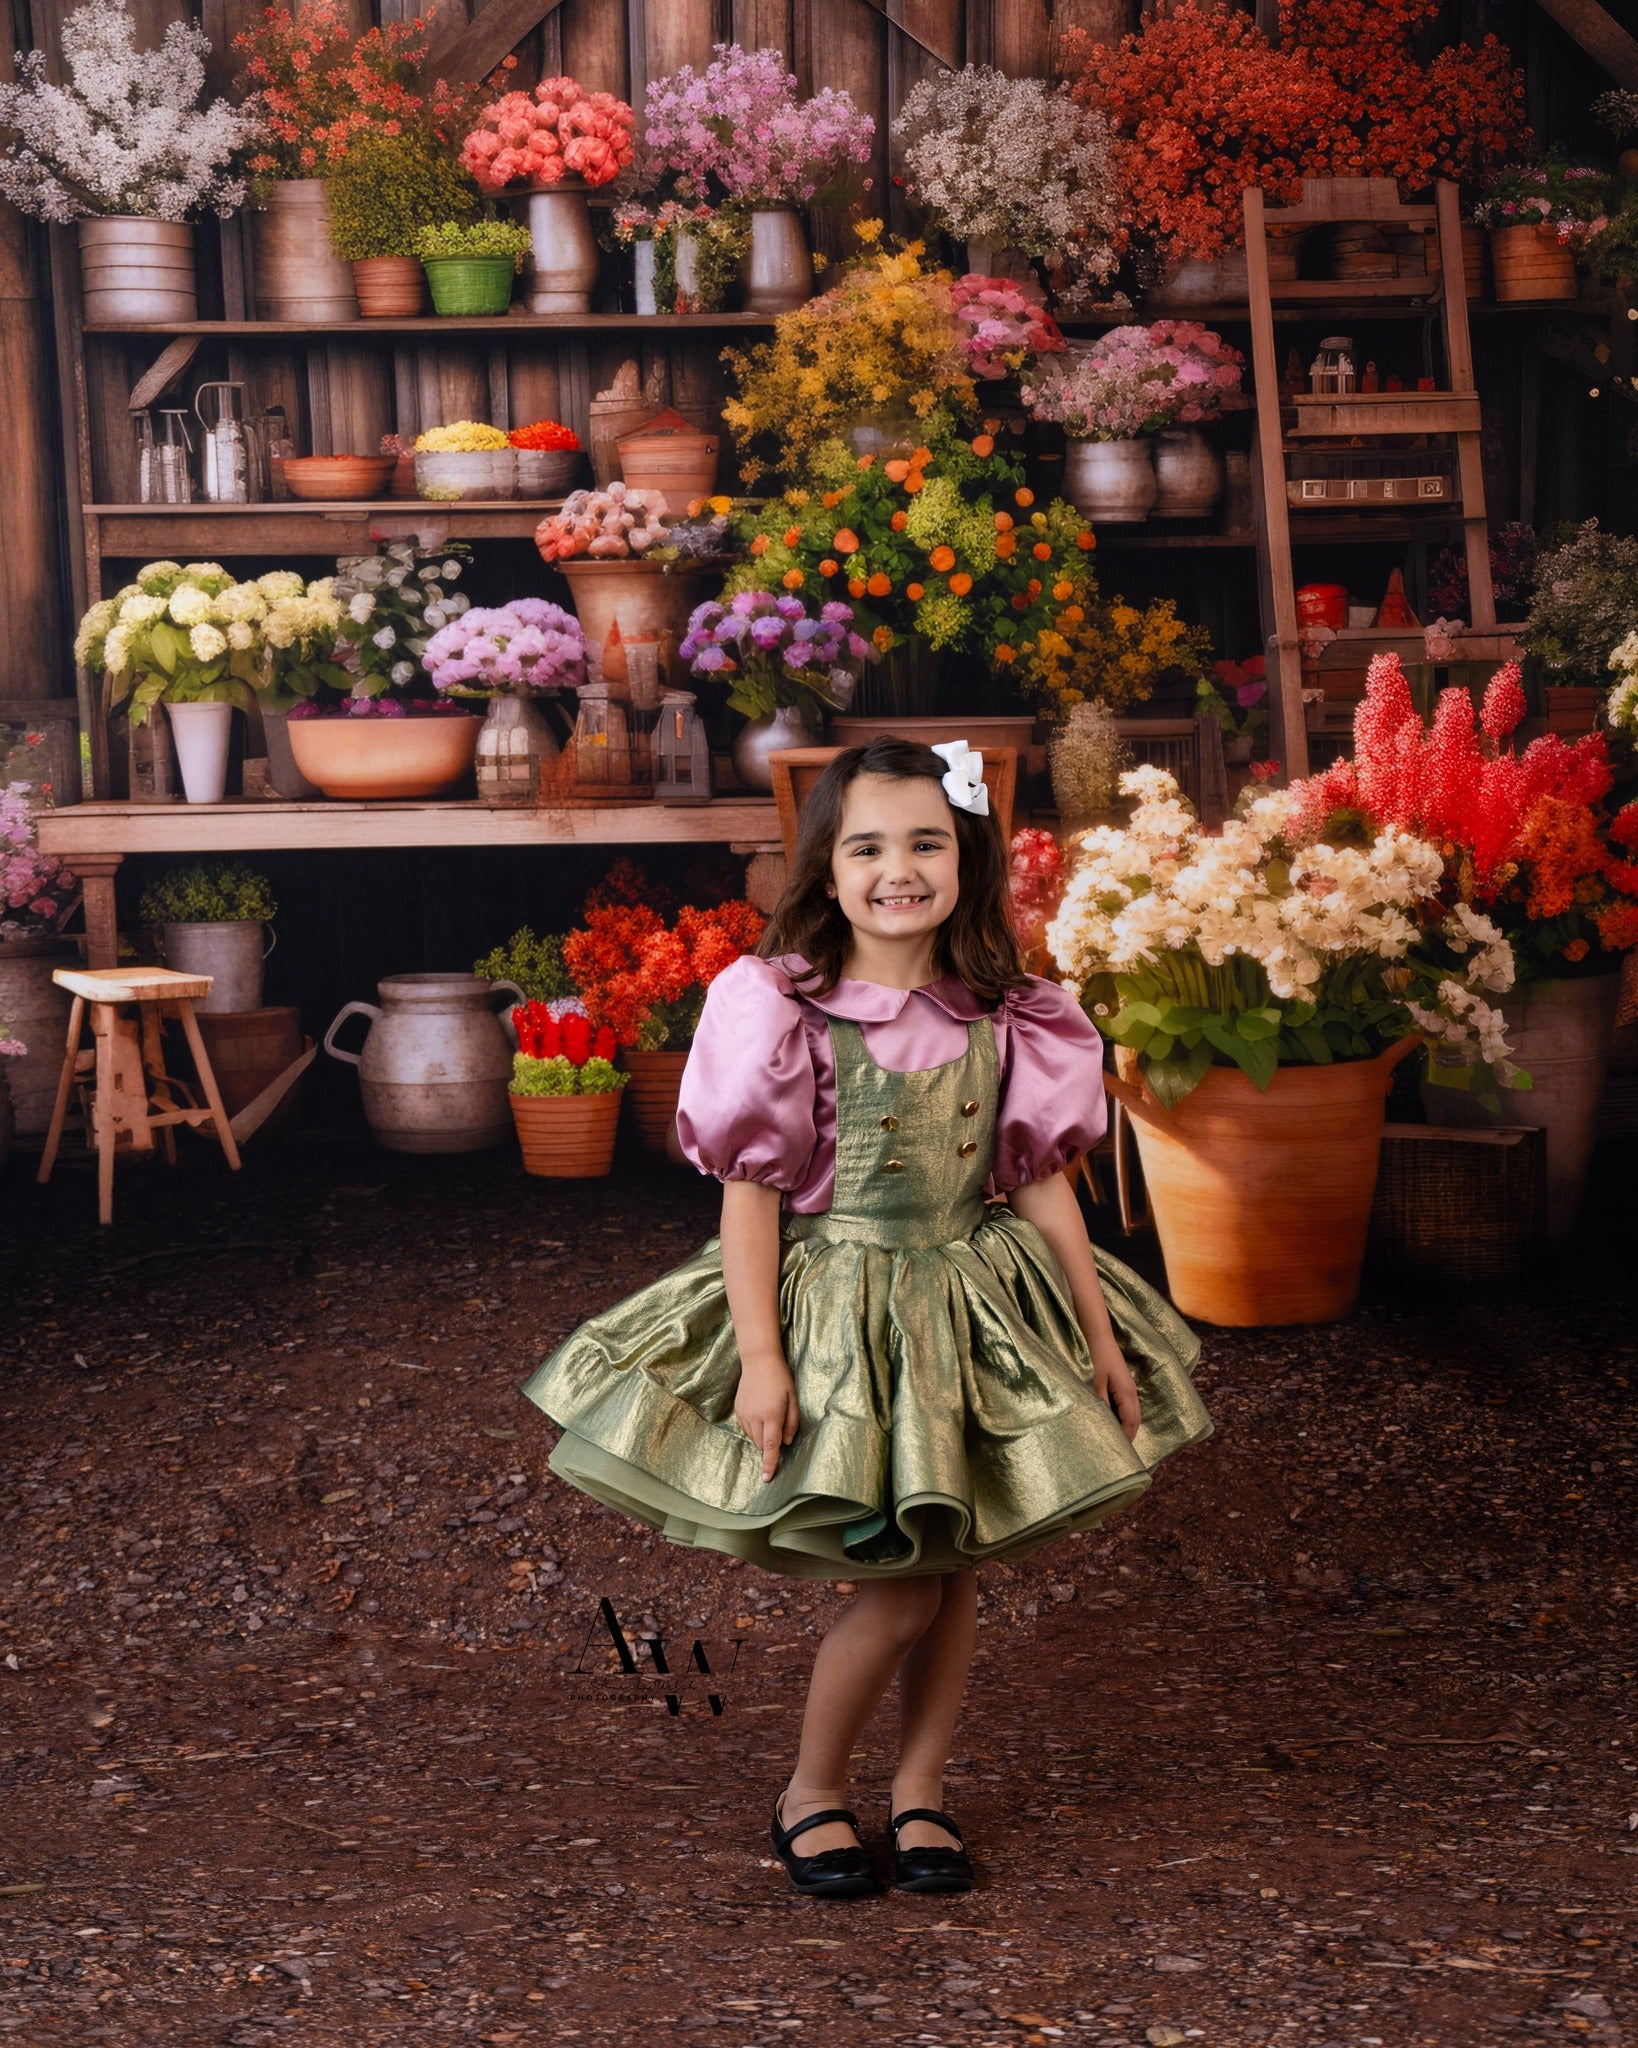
(573, 1037)
(1525, 832)
(627, 965)
(548, 434)
(1035, 883)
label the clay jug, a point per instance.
(436, 1063)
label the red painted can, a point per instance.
(1323, 604)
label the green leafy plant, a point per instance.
(209, 892)
(387, 187)
(1586, 598)
(535, 964)
(473, 238)
(560, 1076)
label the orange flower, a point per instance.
(983, 444)
(1062, 590)
(1033, 587)
(915, 592)
(1006, 546)
(882, 638)
(1003, 522)
(759, 546)
(1005, 652)
(845, 541)
(828, 567)
(793, 536)
(913, 482)
(856, 586)
(1042, 551)
(1085, 540)
(1073, 615)
(1023, 497)
(879, 585)
(1020, 602)
(863, 462)
(920, 457)
(897, 470)
(899, 521)
(961, 583)
(831, 500)
(942, 557)
(793, 579)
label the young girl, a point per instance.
(879, 1372)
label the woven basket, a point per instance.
(1456, 1206)
(470, 284)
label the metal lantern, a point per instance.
(610, 762)
(682, 753)
(1331, 374)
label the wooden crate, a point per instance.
(1386, 412)
(1458, 1207)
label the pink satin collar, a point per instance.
(868, 1002)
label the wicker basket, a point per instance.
(1455, 1206)
(470, 284)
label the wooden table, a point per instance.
(94, 838)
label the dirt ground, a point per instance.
(316, 1732)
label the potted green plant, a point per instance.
(532, 963)
(470, 265)
(565, 1092)
(213, 917)
(382, 193)
(1584, 601)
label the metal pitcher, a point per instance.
(436, 1063)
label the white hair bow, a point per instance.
(964, 781)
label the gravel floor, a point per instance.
(317, 1733)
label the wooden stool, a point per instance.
(131, 1095)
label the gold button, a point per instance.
(890, 1123)
(892, 1166)
(968, 1149)
(969, 1109)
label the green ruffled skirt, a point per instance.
(948, 1416)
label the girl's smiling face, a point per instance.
(893, 867)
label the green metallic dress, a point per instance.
(945, 1389)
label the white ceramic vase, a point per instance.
(201, 733)
(1188, 474)
(1111, 480)
(564, 250)
(776, 268)
(760, 737)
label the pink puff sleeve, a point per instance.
(745, 1110)
(1052, 1101)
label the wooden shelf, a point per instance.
(1323, 417)
(342, 527)
(434, 324)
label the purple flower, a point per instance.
(710, 661)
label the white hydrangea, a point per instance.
(241, 636)
(123, 136)
(189, 605)
(279, 583)
(207, 642)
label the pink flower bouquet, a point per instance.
(1005, 322)
(525, 645)
(553, 133)
(1136, 380)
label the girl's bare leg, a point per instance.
(853, 1668)
(932, 1679)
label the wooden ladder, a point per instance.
(1284, 429)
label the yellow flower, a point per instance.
(868, 231)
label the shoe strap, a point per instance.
(812, 1820)
(931, 1813)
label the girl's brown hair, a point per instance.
(976, 941)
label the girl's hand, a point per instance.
(765, 1408)
(1112, 1379)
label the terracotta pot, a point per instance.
(403, 478)
(435, 1063)
(335, 478)
(1111, 480)
(1262, 1201)
(37, 1010)
(1188, 474)
(655, 1079)
(355, 759)
(567, 1137)
(1531, 263)
(135, 269)
(645, 597)
(1560, 1032)
(298, 274)
(389, 287)
(672, 456)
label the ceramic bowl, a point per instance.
(337, 477)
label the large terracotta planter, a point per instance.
(655, 1079)
(1262, 1201)
(357, 759)
(1531, 263)
(567, 1137)
(1560, 1032)
(646, 597)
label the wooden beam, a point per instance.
(1600, 35)
(479, 45)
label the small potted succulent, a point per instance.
(382, 193)
(565, 1091)
(470, 265)
(213, 917)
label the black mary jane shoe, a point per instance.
(930, 1869)
(832, 1873)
